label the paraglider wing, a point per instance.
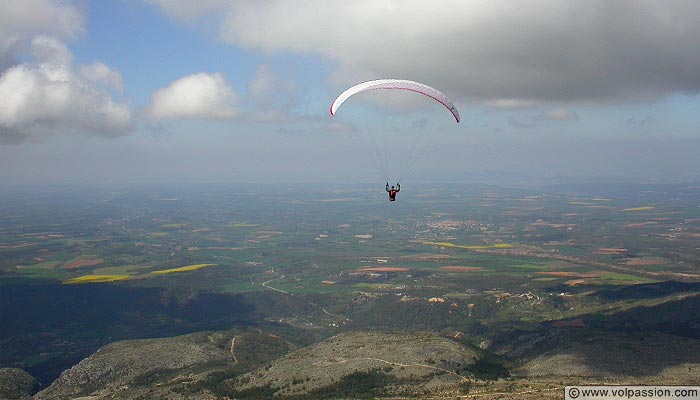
(400, 84)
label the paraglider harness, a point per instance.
(392, 191)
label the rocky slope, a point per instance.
(131, 367)
(253, 364)
(211, 365)
(405, 363)
(15, 384)
(613, 356)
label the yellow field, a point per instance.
(240, 225)
(181, 269)
(645, 208)
(458, 246)
(158, 234)
(172, 226)
(96, 279)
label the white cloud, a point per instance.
(49, 50)
(31, 17)
(267, 89)
(48, 94)
(101, 74)
(511, 103)
(272, 97)
(48, 97)
(269, 98)
(45, 99)
(195, 96)
(10, 47)
(541, 50)
(22, 20)
(559, 114)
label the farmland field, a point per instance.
(484, 261)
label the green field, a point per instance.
(174, 267)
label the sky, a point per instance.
(176, 91)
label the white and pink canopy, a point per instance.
(399, 84)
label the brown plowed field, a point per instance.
(636, 262)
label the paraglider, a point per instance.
(393, 191)
(396, 84)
